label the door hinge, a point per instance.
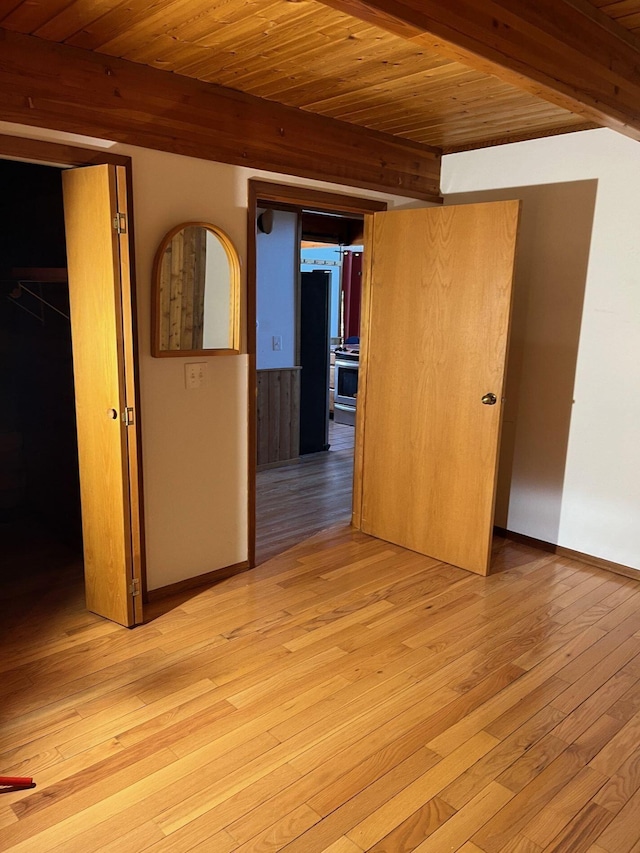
(128, 418)
(120, 223)
(134, 587)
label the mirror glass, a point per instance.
(196, 289)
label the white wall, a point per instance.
(552, 260)
(277, 279)
(194, 443)
(599, 506)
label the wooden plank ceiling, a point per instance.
(624, 12)
(306, 55)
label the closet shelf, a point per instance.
(39, 274)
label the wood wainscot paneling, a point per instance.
(278, 415)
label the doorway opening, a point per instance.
(93, 306)
(40, 517)
(305, 271)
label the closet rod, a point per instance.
(21, 288)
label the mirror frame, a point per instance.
(234, 295)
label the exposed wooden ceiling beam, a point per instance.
(565, 51)
(56, 86)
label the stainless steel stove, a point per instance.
(346, 386)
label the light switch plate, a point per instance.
(194, 374)
(276, 344)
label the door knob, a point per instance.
(489, 399)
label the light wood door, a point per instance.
(436, 321)
(102, 339)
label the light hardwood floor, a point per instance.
(345, 696)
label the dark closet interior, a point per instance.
(39, 488)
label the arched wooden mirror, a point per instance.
(196, 289)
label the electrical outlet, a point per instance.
(276, 343)
(194, 374)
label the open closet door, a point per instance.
(102, 338)
(436, 322)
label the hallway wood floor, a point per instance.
(345, 696)
(295, 501)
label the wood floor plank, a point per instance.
(66, 817)
(525, 769)
(129, 841)
(341, 820)
(281, 495)
(535, 699)
(557, 640)
(618, 749)
(600, 672)
(59, 780)
(213, 817)
(504, 755)
(345, 696)
(416, 828)
(333, 788)
(578, 835)
(607, 645)
(530, 800)
(283, 830)
(162, 791)
(221, 842)
(343, 845)
(465, 823)
(628, 704)
(374, 827)
(87, 683)
(599, 589)
(599, 703)
(621, 833)
(361, 720)
(622, 785)
(520, 844)
(564, 807)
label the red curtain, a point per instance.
(351, 286)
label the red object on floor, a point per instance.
(16, 781)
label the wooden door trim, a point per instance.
(297, 196)
(297, 298)
(132, 397)
(293, 197)
(365, 327)
(58, 154)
